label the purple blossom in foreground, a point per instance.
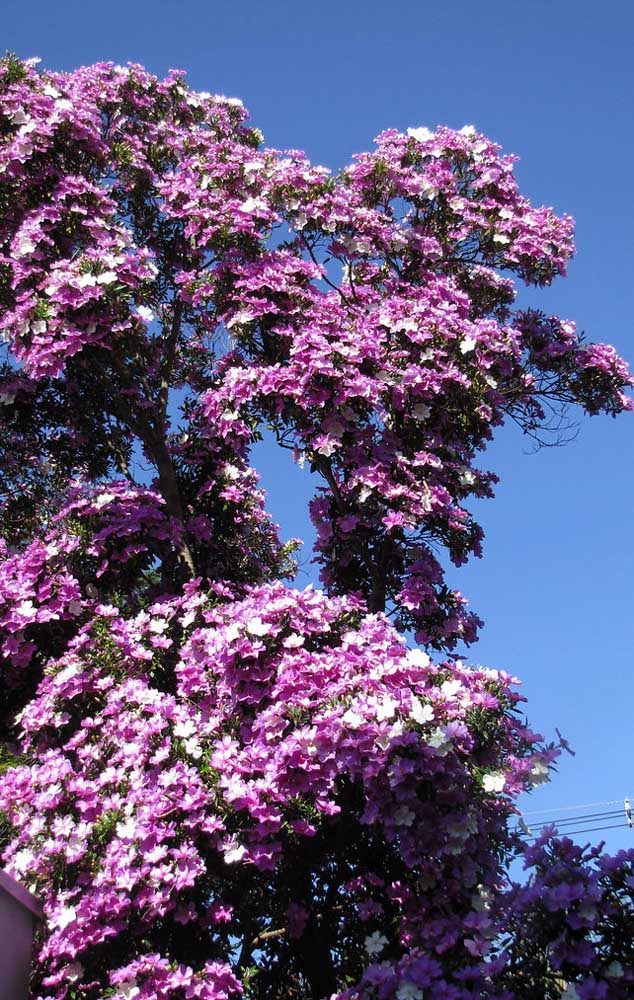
(299, 727)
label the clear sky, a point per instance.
(552, 81)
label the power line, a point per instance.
(585, 805)
(591, 829)
(561, 827)
(581, 818)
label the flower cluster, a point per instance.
(378, 339)
(572, 921)
(41, 602)
(299, 727)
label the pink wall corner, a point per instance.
(19, 910)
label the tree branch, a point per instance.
(171, 342)
(158, 453)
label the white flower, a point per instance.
(252, 205)
(375, 943)
(407, 991)
(185, 729)
(129, 989)
(482, 900)
(157, 625)
(25, 608)
(193, 749)
(67, 915)
(293, 641)
(408, 325)
(417, 658)
(103, 500)
(467, 345)
(77, 836)
(352, 719)
(421, 411)
(106, 278)
(145, 313)
(501, 238)
(386, 709)
(404, 816)
(255, 626)
(85, 281)
(127, 829)
(22, 861)
(539, 773)
(421, 713)
(397, 729)
(458, 834)
(328, 447)
(420, 134)
(614, 970)
(232, 632)
(252, 166)
(439, 740)
(234, 852)
(494, 782)
(468, 130)
(242, 316)
(450, 688)
(25, 246)
(430, 190)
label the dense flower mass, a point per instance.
(299, 728)
(220, 785)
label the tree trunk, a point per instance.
(168, 487)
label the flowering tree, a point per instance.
(219, 784)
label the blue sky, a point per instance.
(551, 81)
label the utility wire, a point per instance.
(585, 805)
(581, 818)
(561, 827)
(591, 829)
